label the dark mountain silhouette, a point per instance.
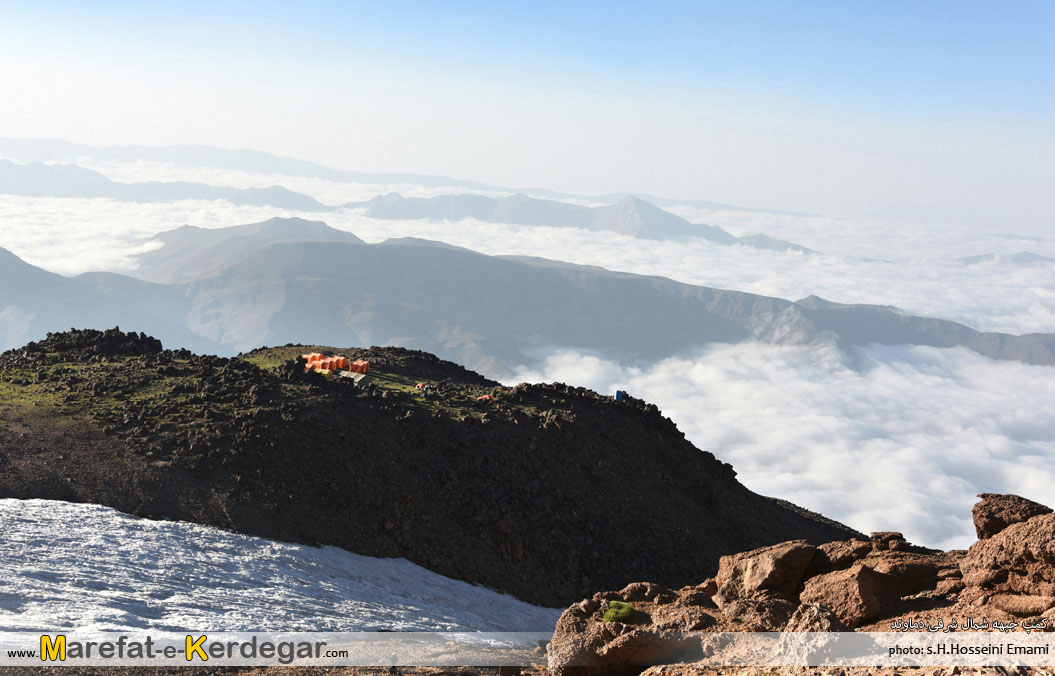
(64, 180)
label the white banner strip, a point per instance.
(446, 649)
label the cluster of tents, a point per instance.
(336, 365)
(341, 367)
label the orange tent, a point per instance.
(320, 362)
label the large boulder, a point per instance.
(777, 569)
(995, 512)
(855, 595)
(914, 572)
(1018, 560)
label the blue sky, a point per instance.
(537, 93)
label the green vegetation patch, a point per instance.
(273, 357)
(618, 611)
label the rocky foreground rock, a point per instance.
(851, 585)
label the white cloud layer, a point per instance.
(890, 438)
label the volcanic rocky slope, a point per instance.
(546, 491)
(1004, 582)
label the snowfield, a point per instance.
(67, 566)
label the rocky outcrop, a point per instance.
(775, 570)
(1014, 570)
(838, 586)
(654, 634)
(888, 540)
(996, 512)
(855, 595)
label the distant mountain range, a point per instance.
(255, 161)
(629, 216)
(66, 180)
(293, 280)
(1020, 258)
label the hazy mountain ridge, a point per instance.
(252, 161)
(488, 312)
(1020, 258)
(66, 180)
(34, 301)
(629, 216)
(255, 161)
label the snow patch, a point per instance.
(88, 567)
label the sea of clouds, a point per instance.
(883, 438)
(897, 438)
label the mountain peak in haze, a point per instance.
(637, 218)
(190, 253)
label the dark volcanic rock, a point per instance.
(110, 343)
(546, 491)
